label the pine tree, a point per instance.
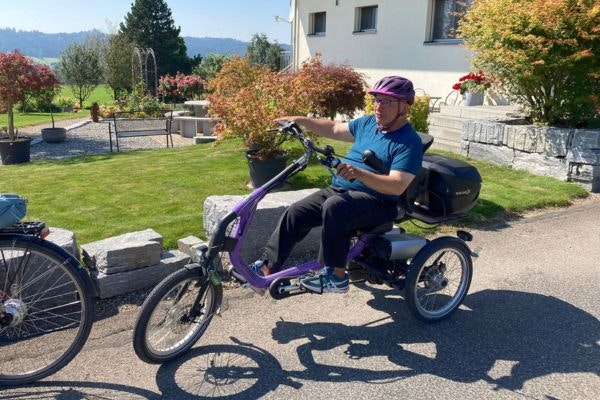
(150, 24)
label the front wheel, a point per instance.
(175, 315)
(438, 279)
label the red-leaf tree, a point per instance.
(18, 77)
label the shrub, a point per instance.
(545, 54)
(175, 89)
(246, 99)
(330, 89)
(417, 114)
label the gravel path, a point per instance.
(85, 137)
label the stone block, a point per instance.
(584, 156)
(540, 164)
(500, 155)
(586, 139)
(64, 239)
(265, 220)
(127, 256)
(110, 285)
(557, 141)
(186, 244)
(523, 137)
(124, 252)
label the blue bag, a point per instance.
(12, 209)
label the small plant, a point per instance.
(473, 82)
(65, 103)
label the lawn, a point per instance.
(102, 94)
(164, 189)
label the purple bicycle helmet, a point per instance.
(395, 86)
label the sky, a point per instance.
(237, 19)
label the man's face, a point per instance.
(387, 108)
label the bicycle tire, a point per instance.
(429, 279)
(163, 330)
(53, 295)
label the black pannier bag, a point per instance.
(445, 189)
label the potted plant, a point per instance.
(19, 76)
(246, 99)
(472, 86)
(54, 135)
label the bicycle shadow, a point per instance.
(502, 337)
(71, 390)
(535, 334)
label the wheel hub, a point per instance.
(15, 312)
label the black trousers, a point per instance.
(340, 212)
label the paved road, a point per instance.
(529, 329)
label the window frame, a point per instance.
(434, 22)
(313, 23)
(358, 19)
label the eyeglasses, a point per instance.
(384, 102)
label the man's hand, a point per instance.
(348, 171)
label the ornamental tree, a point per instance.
(545, 54)
(19, 76)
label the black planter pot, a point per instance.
(263, 170)
(15, 152)
(54, 135)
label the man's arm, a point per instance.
(395, 183)
(323, 127)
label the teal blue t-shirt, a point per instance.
(399, 150)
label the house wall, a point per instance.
(399, 47)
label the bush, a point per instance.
(330, 89)
(544, 54)
(417, 114)
(246, 99)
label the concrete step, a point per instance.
(446, 145)
(450, 134)
(446, 121)
(478, 112)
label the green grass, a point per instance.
(28, 119)
(164, 189)
(102, 94)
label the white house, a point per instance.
(411, 38)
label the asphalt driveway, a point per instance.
(528, 329)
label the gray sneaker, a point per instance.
(327, 282)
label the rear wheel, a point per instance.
(46, 309)
(438, 279)
(175, 315)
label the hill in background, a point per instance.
(49, 45)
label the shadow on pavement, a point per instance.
(502, 337)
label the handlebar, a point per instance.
(291, 128)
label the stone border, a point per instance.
(567, 154)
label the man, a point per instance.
(358, 195)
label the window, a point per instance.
(317, 23)
(365, 19)
(446, 15)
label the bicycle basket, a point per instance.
(12, 209)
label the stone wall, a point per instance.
(566, 154)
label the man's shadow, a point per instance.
(536, 334)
